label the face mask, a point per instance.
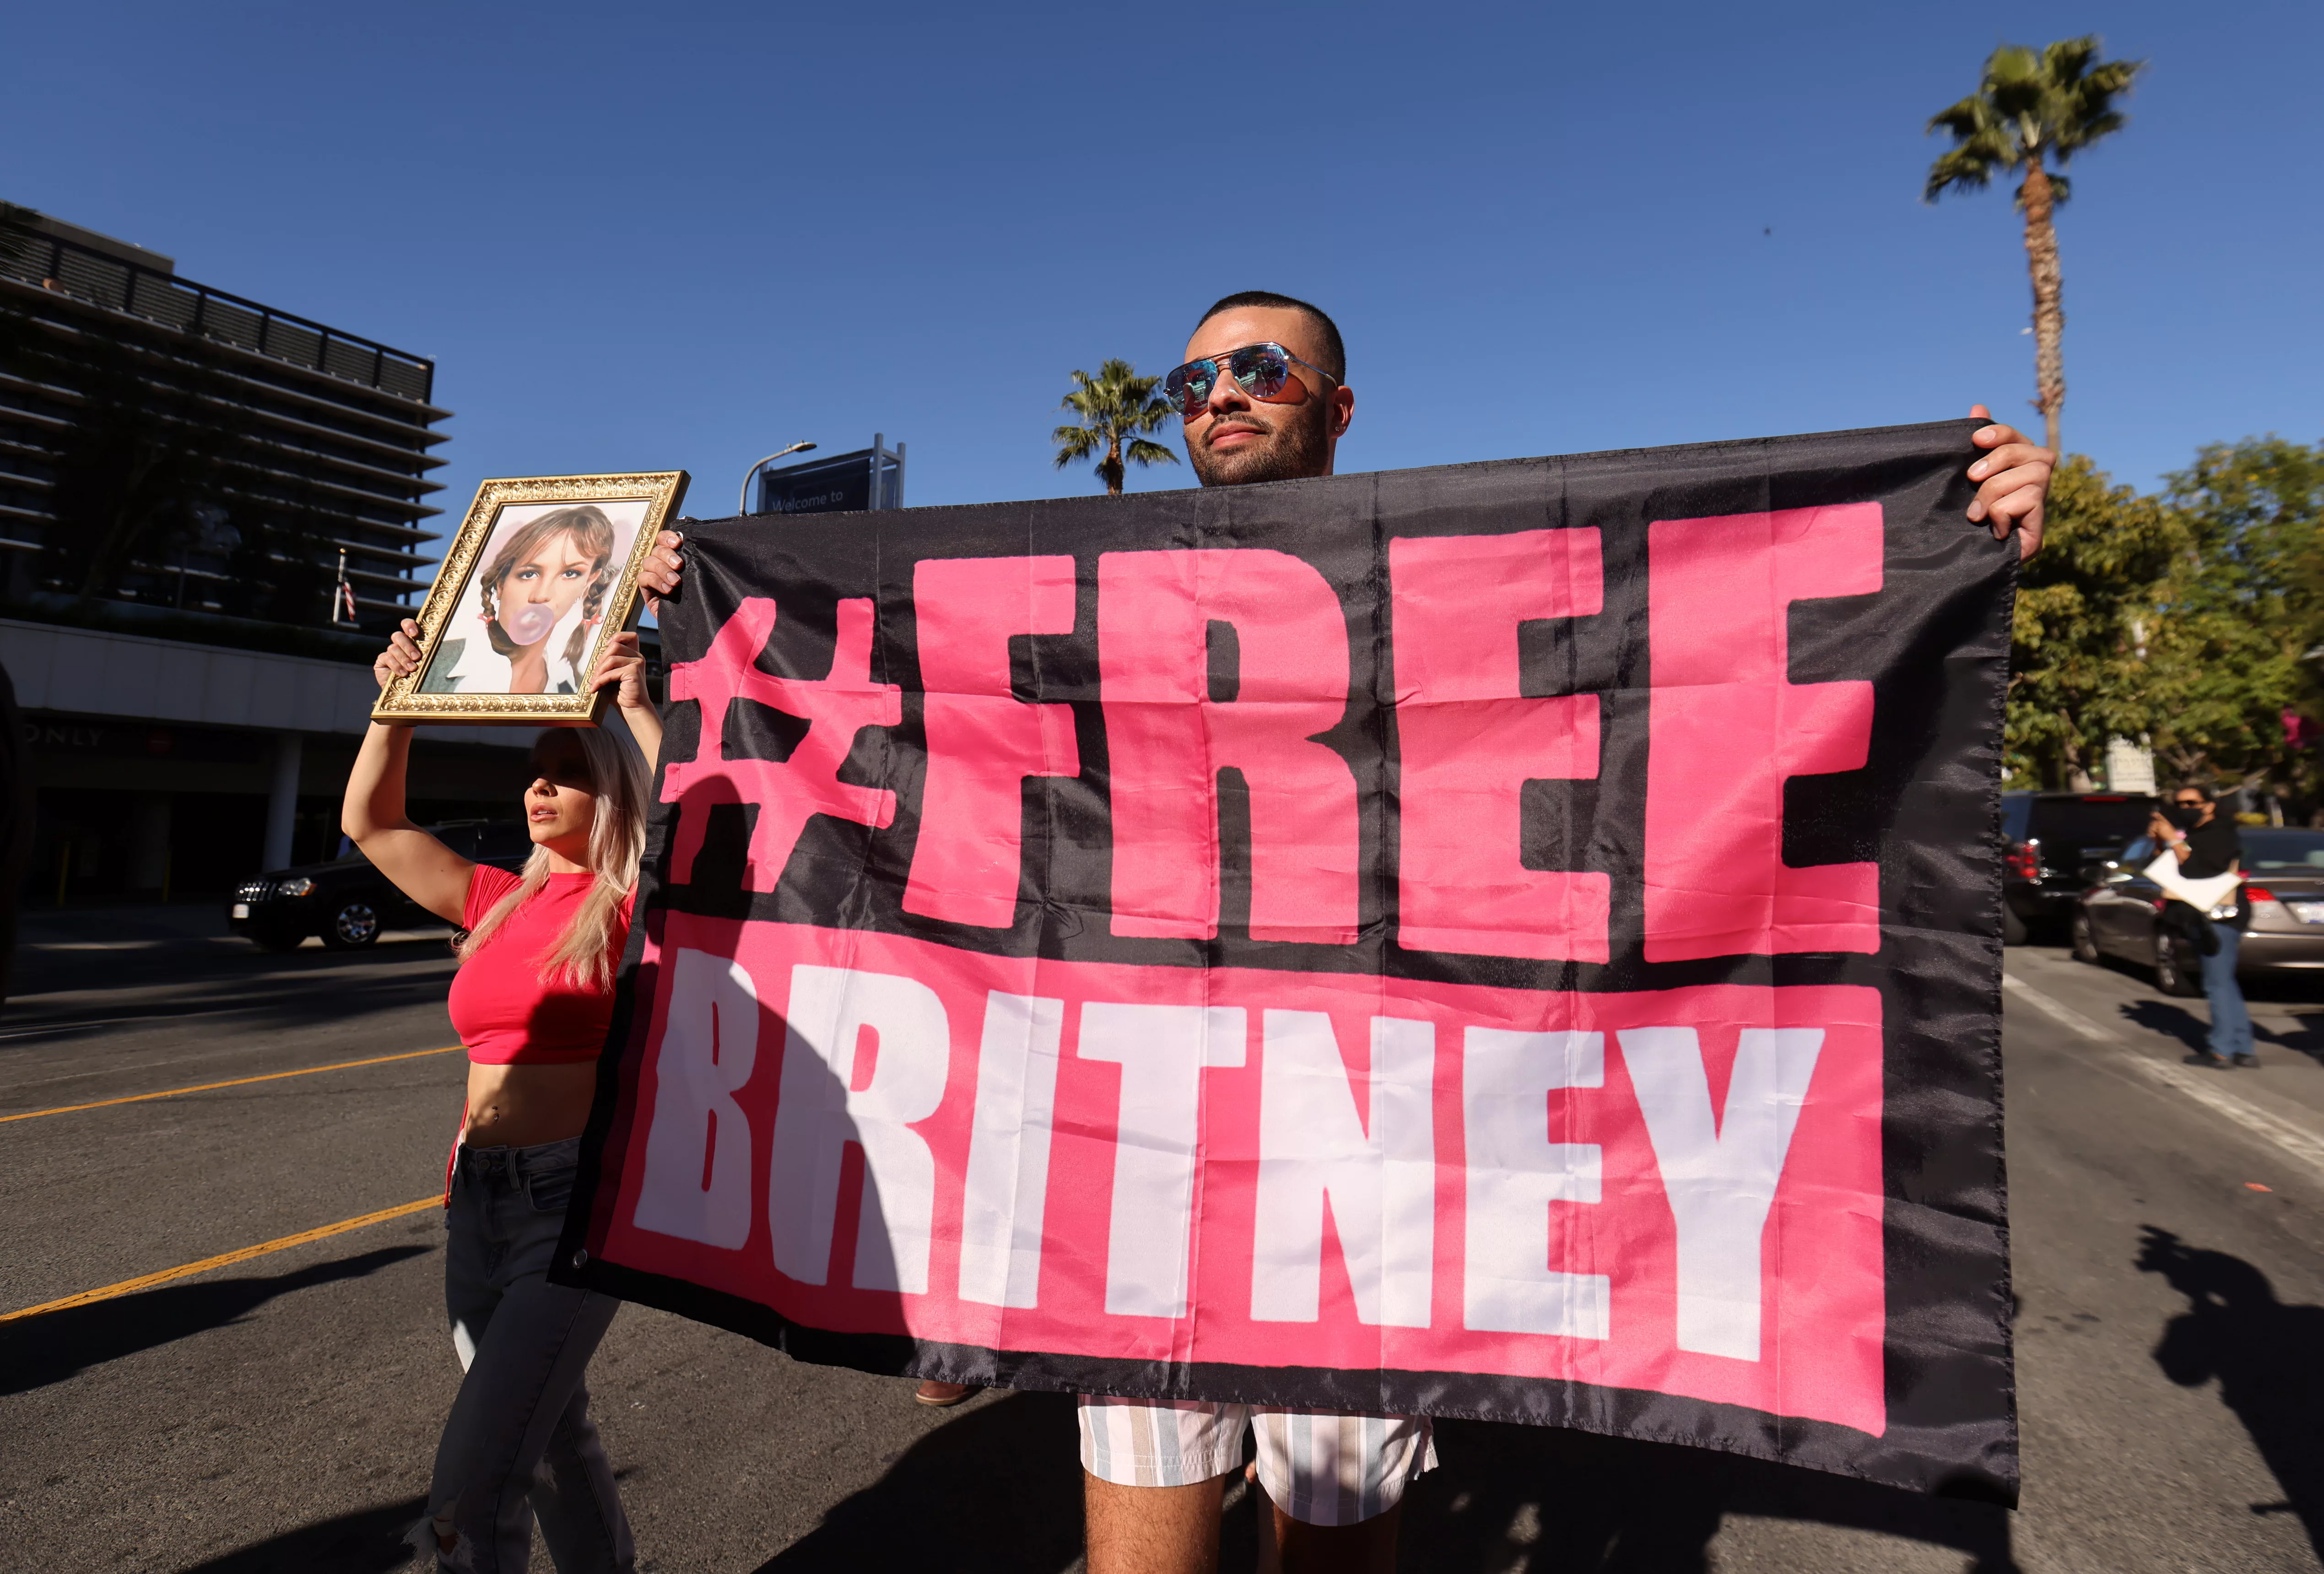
(2185, 819)
(530, 624)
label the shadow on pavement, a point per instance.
(49, 1348)
(316, 993)
(2171, 1021)
(2306, 1040)
(1000, 1488)
(2268, 1359)
(2194, 1032)
(1511, 1498)
(369, 1541)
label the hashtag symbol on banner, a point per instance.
(787, 792)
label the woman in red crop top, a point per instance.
(531, 1002)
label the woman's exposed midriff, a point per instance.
(521, 1106)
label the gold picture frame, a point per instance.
(476, 674)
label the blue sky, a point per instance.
(681, 236)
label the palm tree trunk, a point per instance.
(2049, 315)
(1110, 471)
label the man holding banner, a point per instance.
(1264, 398)
(1130, 947)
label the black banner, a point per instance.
(1515, 939)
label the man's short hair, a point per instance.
(1335, 352)
(2209, 797)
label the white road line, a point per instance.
(2200, 1086)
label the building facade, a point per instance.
(168, 445)
(212, 511)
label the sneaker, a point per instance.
(2204, 1057)
(2248, 1061)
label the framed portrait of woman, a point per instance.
(543, 571)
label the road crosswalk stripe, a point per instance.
(2200, 1087)
(232, 1083)
(223, 1259)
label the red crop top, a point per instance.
(505, 1011)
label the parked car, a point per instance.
(348, 902)
(2283, 881)
(2051, 843)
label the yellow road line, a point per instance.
(236, 1082)
(207, 1264)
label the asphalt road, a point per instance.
(279, 1414)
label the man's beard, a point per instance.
(1294, 448)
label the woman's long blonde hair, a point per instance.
(586, 954)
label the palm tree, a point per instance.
(2029, 107)
(1115, 405)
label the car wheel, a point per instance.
(356, 924)
(2170, 971)
(2086, 945)
(2013, 927)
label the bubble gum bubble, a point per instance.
(530, 624)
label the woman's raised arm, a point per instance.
(372, 813)
(622, 666)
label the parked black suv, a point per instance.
(2049, 841)
(348, 902)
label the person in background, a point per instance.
(2207, 846)
(531, 1002)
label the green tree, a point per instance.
(2184, 618)
(1117, 407)
(2242, 608)
(2033, 113)
(2080, 647)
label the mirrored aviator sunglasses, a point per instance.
(1258, 370)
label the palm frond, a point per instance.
(2069, 58)
(2030, 107)
(1969, 167)
(1113, 406)
(1075, 443)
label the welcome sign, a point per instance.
(1514, 939)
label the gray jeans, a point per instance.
(519, 1444)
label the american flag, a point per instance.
(343, 599)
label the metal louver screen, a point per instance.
(156, 298)
(353, 361)
(222, 319)
(288, 341)
(93, 278)
(403, 377)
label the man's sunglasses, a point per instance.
(1260, 371)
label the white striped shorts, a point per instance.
(1323, 1466)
